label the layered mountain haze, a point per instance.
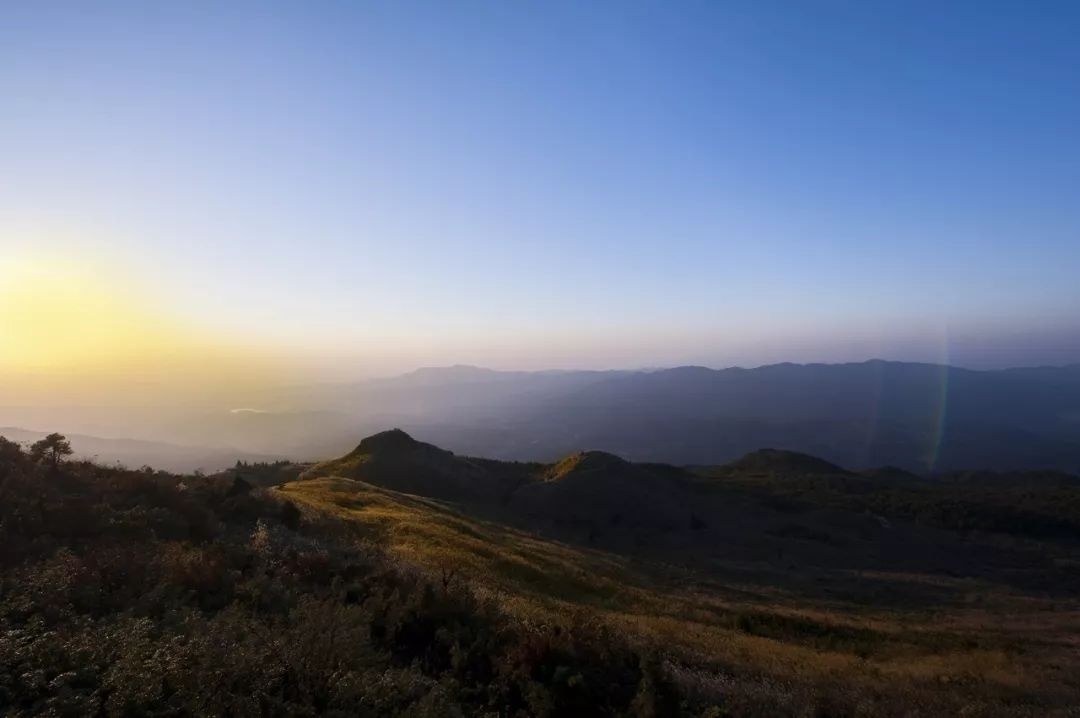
(916, 417)
(540, 360)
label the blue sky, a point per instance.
(373, 186)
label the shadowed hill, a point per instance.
(591, 490)
(587, 463)
(394, 460)
(604, 493)
(599, 497)
(773, 462)
(778, 559)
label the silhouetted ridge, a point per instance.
(395, 460)
(394, 441)
(600, 494)
(779, 461)
(456, 373)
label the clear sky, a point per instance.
(363, 187)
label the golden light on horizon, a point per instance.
(58, 315)
(70, 327)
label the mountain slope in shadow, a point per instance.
(768, 506)
(394, 460)
(778, 462)
(600, 491)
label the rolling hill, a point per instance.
(402, 578)
(394, 460)
(777, 564)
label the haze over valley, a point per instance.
(921, 417)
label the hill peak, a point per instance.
(391, 441)
(781, 461)
(394, 460)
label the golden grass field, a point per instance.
(948, 644)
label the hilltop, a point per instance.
(599, 492)
(590, 490)
(777, 462)
(394, 460)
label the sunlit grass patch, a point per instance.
(751, 628)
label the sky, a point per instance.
(330, 190)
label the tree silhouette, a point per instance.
(52, 449)
(10, 451)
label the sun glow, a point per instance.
(55, 316)
(66, 324)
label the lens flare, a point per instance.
(939, 415)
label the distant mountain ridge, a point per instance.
(776, 461)
(920, 417)
(914, 417)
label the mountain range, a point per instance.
(919, 417)
(922, 418)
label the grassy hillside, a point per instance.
(787, 586)
(127, 593)
(765, 637)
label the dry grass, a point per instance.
(995, 648)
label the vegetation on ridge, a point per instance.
(145, 593)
